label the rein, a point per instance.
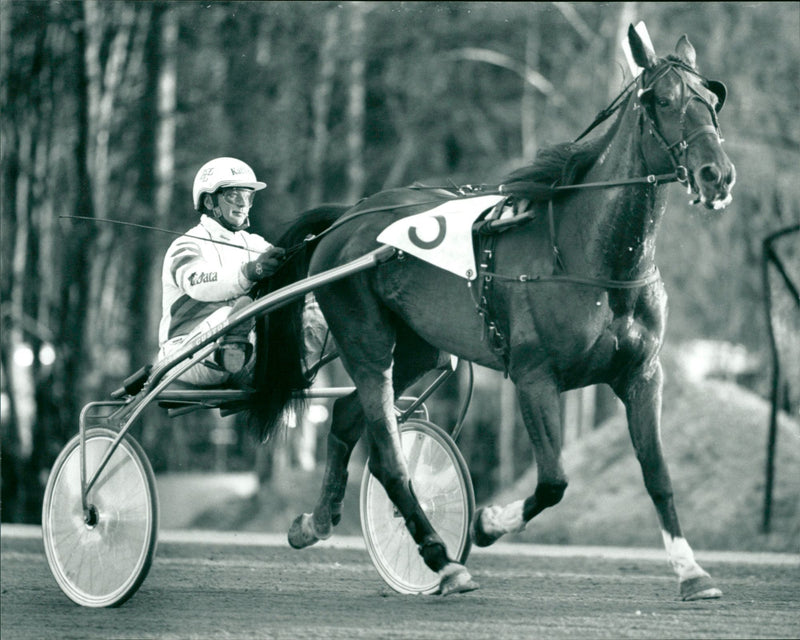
(602, 283)
(548, 193)
(590, 282)
(516, 188)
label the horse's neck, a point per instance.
(622, 221)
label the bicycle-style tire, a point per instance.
(101, 564)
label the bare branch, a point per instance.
(531, 76)
(576, 22)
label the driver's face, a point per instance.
(235, 204)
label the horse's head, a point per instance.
(679, 109)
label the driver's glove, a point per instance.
(265, 265)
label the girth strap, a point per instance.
(484, 300)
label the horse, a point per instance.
(569, 297)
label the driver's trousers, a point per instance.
(208, 374)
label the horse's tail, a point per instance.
(280, 347)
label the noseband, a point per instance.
(678, 150)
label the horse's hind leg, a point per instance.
(368, 353)
(387, 463)
(346, 426)
(541, 411)
(641, 394)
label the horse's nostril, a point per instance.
(710, 173)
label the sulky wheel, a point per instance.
(100, 560)
(443, 486)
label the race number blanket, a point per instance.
(442, 236)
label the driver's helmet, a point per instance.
(223, 172)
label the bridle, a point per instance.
(678, 151)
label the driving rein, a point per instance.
(489, 228)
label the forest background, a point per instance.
(110, 108)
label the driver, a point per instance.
(209, 271)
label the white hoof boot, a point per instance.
(699, 588)
(455, 579)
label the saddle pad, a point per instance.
(442, 236)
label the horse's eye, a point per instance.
(662, 102)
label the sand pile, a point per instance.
(714, 435)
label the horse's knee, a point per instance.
(338, 451)
(394, 481)
(347, 421)
(660, 494)
(397, 485)
(656, 477)
(377, 469)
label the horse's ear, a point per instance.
(643, 54)
(686, 52)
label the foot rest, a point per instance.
(133, 384)
(210, 397)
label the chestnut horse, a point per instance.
(571, 297)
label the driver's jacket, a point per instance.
(200, 276)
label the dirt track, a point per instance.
(219, 591)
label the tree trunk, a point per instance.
(628, 12)
(321, 105)
(356, 105)
(106, 76)
(78, 249)
(528, 116)
(162, 82)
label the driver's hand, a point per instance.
(265, 265)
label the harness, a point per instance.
(488, 230)
(678, 150)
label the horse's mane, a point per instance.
(565, 163)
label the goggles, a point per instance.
(237, 196)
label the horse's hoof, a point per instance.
(455, 579)
(322, 522)
(479, 535)
(699, 588)
(302, 533)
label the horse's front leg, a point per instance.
(346, 425)
(641, 394)
(541, 411)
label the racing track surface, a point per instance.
(206, 585)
